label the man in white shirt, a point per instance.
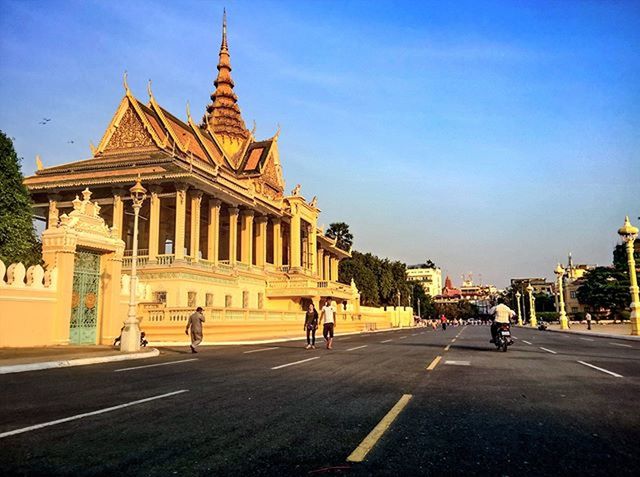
(328, 314)
(502, 314)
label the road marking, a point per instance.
(620, 344)
(514, 337)
(373, 437)
(87, 414)
(453, 340)
(152, 365)
(446, 348)
(548, 350)
(525, 341)
(357, 347)
(344, 339)
(414, 334)
(601, 369)
(295, 362)
(458, 363)
(434, 363)
(261, 349)
(586, 339)
(386, 341)
(403, 337)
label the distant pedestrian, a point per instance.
(588, 318)
(443, 322)
(311, 325)
(328, 314)
(195, 323)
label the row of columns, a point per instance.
(321, 263)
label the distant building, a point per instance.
(430, 278)
(479, 295)
(539, 285)
(449, 294)
(572, 281)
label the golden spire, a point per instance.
(223, 114)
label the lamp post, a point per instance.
(131, 333)
(629, 233)
(533, 321)
(564, 323)
(524, 303)
(398, 310)
(518, 303)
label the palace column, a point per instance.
(233, 234)
(313, 245)
(261, 240)
(320, 261)
(213, 231)
(334, 268)
(54, 213)
(246, 238)
(154, 222)
(118, 211)
(327, 267)
(294, 242)
(277, 242)
(194, 248)
(181, 212)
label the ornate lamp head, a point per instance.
(628, 232)
(559, 270)
(518, 294)
(529, 288)
(138, 193)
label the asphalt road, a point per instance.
(247, 410)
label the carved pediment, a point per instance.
(129, 133)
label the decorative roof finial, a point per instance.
(39, 162)
(124, 81)
(188, 112)
(224, 29)
(149, 89)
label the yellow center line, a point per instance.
(367, 444)
(434, 363)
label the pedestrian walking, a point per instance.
(588, 317)
(195, 324)
(443, 322)
(311, 325)
(328, 314)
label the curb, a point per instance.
(20, 368)
(597, 335)
(269, 341)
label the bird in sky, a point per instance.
(70, 141)
(44, 120)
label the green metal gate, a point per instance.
(84, 298)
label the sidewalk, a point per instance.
(615, 331)
(16, 360)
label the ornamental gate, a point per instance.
(84, 297)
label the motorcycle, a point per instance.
(503, 337)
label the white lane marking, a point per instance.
(385, 341)
(620, 344)
(295, 362)
(87, 414)
(525, 341)
(261, 349)
(414, 334)
(357, 347)
(514, 337)
(601, 369)
(446, 348)
(153, 365)
(548, 350)
(453, 340)
(403, 337)
(458, 363)
(343, 339)
(586, 339)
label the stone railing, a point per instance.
(157, 314)
(34, 277)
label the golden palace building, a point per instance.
(217, 230)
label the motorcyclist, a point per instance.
(502, 314)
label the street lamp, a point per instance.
(518, 303)
(629, 233)
(131, 333)
(564, 324)
(533, 321)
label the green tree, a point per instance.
(340, 231)
(427, 307)
(18, 241)
(605, 287)
(356, 268)
(620, 256)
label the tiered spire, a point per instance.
(223, 114)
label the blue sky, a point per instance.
(490, 137)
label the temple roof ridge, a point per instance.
(223, 114)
